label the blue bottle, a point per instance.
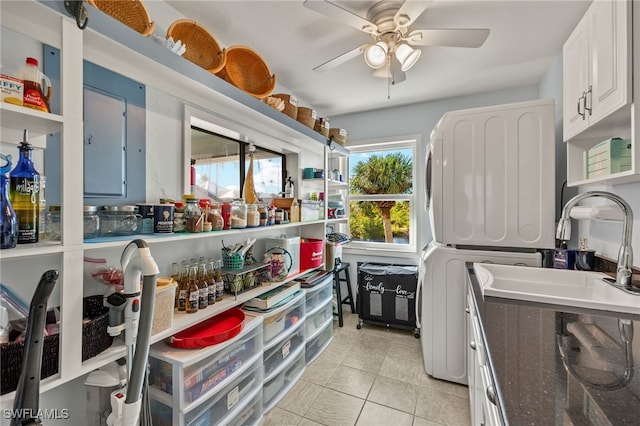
(8, 218)
(24, 193)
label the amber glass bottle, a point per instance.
(193, 291)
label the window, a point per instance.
(381, 192)
(219, 173)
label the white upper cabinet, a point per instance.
(597, 66)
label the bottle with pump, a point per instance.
(24, 193)
(8, 218)
(37, 86)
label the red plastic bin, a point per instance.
(311, 251)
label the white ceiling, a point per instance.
(526, 35)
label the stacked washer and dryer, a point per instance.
(490, 195)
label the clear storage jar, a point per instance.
(91, 225)
(253, 216)
(215, 217)
(53, 222)
(193, 216)
(119, 220)
(238, 215)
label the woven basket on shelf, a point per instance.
(306, 116)
(322, 126)
(246, 70)
(132, 13)
(201, 47)
(338, 135)
(290, 104)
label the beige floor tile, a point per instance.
(363, 359)
(410, 353)
(401, 369)
(321, 368)
(351, 381)
(419, 421)
(307, 422)
(379, 415)
(279, 417)
(406, 337)
(444, 386)
(394, 394)
(300, 397)
(442, 407)
(333, 408)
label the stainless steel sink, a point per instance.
(583, 289)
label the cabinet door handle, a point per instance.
(588, 100)
(472, 344)
(491, 394)
(467, 310)
(581, 100)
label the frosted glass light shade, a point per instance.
(407, 56)
(375, 55)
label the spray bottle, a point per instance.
(8, 218)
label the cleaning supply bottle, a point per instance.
(37, 86)
(24, 190)
(8, 218)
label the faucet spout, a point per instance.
(625, 254)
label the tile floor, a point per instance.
(367, 377)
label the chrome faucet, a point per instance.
(625, 255)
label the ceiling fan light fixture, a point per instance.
(407, 56)
(375, 55)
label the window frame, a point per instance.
(376, 145)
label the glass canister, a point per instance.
(253, 216)
(119, 220)
(215, 217)
(193, 216)
(238, 214)
(91, 222)
(263, 214)
(53, 223)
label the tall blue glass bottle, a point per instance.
(8, 218)
(24, 190)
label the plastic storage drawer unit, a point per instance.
(188, 379)
(318, 319)
(282, 349)
(280, 319)
(319, 341)
(279, 384)
(319, 294)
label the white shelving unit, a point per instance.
(110, 44)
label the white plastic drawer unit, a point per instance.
(282, 349)
(318, 318)
(276, 386)
(221, 408)
(319, 341)
(252, 413)
(319, 294)
(280, 319)
(187, 378)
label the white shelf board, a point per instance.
(38, 122)
(36, 249)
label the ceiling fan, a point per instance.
(390, 52)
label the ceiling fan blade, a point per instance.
(339, 13)
(396, 74)
(340, 59)
(448, 37)
(409, 12)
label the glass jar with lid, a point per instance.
(253, 216)
(238, 214)
(193, 216)
(53, 224)
(215, 217)
(91, 224)
(119, 220)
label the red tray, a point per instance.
(215, 330)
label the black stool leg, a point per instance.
(336, 282)
(350, 297)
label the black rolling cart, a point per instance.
(387, 295)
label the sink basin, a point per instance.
(581, 289)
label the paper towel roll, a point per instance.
(597, 213)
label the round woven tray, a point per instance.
(246, 70)
(306, 116)
(201, 47)
(290, 104)
(132, 13)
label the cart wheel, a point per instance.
(416, 334)
(359, 326)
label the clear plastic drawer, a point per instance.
(319, 319)
(280, 353)
(319, 294)
(275, 388)
(316, 344)
(280, 319)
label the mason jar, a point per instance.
(91, 225)
(238, 214)
(193, 216)
(253, 216)
(119, 220)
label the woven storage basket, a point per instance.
(290, 104)
(201, 47)
(306, 116)
(246, 70)
(132, 13)
(322, 126)
(11, 361)
(95, 338)
(338, 135)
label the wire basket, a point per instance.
(246, 70)
(290, 104)
(132, 13)
(239, 282)
(232, 261)
(201, 47)
(306, 116)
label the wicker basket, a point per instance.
(202, 48)
(246, 70)
(338, 135)
(306, 116)
(132, 13)
(95, 338)
(290, 104)
(322, 126)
